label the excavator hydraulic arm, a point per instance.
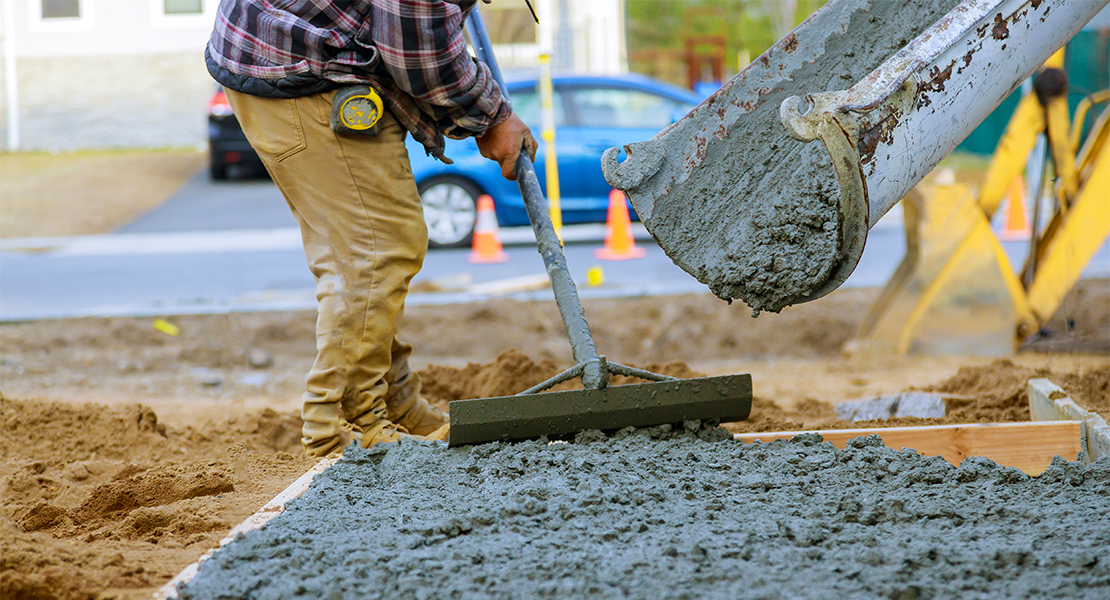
(766, 191)
(956, 290)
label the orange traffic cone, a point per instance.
(1017, 223)
(619, 244)
(487, 241)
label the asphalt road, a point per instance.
(205, 205)
(219, 247)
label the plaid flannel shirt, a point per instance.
(411, 51)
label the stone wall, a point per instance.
(114, 101)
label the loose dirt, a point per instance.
(126, 452)
(100, 501)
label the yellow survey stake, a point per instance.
(166, 327)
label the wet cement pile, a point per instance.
(652, 514)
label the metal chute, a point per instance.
(741, 195)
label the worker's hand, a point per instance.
(503, 142)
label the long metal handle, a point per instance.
(594, 375)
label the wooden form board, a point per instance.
(1047, 402)
(268, 511)
(1025, 446)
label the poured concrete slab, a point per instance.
(667, 514)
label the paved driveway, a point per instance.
(218, 247)
(204, 205)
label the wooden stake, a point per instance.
(1025, 446)
(1048, 402)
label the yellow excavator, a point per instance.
(956, 291)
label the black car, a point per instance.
(227, 145)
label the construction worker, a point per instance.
(282, 65)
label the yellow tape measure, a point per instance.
(356, 109)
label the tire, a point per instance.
(450, 210)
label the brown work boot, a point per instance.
(382, 432)
(439, 435)
(416, 415)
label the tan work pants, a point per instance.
(364, 238)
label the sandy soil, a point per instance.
(111, 188)
(128, 452)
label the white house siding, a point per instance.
(117, 101)
(127, 76)
(124, 75)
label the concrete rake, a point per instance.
(532, 414)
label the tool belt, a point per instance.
(357, 109)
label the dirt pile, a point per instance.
(211, 356)
(768, 415)
(992, 393)
(38, 566)
(66, 432)
(998, 392)
(1090, 389)
(510, 373)
(655, 514)
(84, 432)
(101, 500)
(513, 372)
(238, 356)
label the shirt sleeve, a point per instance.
(422, 48)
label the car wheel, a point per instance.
(450, 210)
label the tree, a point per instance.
(658, 31)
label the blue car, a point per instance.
(592, 114)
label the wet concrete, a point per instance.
(650, 514)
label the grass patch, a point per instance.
(966, 161)
(84, 193)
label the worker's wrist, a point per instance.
(503, 114)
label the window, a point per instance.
(60, 15)
(182, 14)
(526, 104)
(183, 7)
(61, 9)
(626, 109)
